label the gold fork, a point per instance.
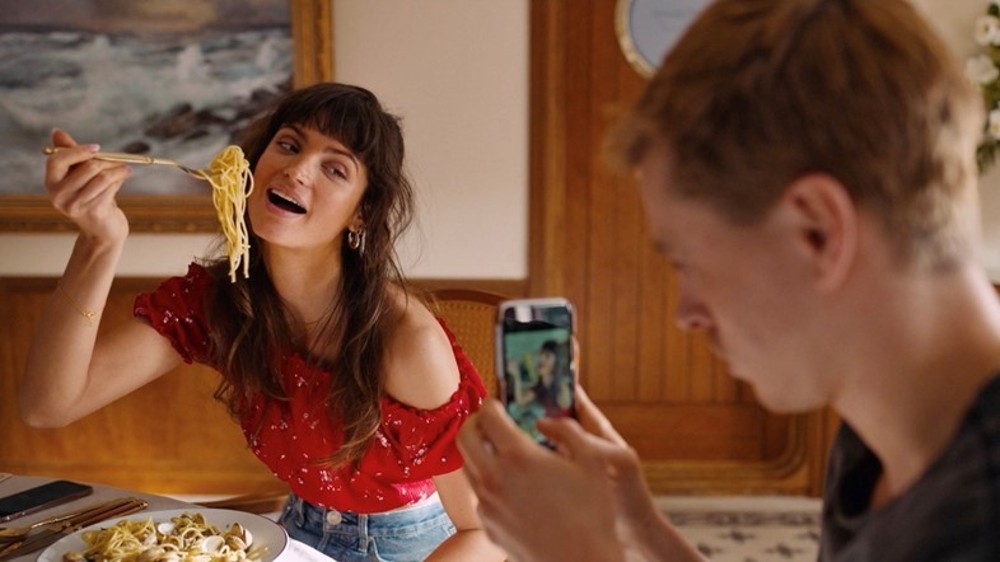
(8, 534)
(16, 533)
(129, 158)
(55, 531)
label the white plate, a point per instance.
(265, 532)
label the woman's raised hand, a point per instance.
(84, 189)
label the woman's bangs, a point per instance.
(342, 118)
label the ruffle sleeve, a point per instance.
(421, 443)
(176, 310)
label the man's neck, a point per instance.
(911, 388)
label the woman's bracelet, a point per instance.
(85, 312)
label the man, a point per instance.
(808, 167)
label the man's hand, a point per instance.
(535, 503)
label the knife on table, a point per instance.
(56, 531)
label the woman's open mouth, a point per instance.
(285, 202)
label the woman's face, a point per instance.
(307, 190)
(546, 363)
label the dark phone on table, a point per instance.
(41, 497)
(535, 363)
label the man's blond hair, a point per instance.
(760, 92)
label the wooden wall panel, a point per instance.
(168, 437)
(697, 429)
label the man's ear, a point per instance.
(825, 222)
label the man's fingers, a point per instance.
(485, 437)
(498, 428)
(470, 443)
(593, 420)
(571, 439)
(576, 442)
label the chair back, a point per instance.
(471, 316)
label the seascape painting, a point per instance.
(178, 79)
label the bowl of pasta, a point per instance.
(179, 535)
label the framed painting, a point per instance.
(177, 80)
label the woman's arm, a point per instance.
(470, 541)
(71, 371)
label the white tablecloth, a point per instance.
(296, 551)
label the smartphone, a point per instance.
(535, 364)
(41, 497)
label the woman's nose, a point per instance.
(296, 171)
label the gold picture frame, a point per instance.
(312, 61)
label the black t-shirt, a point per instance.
(951, 514)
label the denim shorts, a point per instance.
(408, 534)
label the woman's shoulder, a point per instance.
(421, 370)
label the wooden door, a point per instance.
(696, 428)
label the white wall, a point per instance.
(456, 71)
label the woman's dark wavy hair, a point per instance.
(249, 330)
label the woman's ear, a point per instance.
(357, 221)
(825, 226)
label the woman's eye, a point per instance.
(337, 171)
(287, 146)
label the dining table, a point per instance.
(13, 483)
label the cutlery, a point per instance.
(56, 531)
(139, 159)
(16, 533)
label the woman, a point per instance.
(551, 387)
(346, 386)
(541, 389)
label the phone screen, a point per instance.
(536, 356)
(41, 497)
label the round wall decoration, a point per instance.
(647, 29)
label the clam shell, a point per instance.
(212, 544)
(237, 530)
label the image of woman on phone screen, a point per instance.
(346, 386)
(543, 383)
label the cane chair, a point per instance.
(471, 316)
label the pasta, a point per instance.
(186, 538)
(232, 182)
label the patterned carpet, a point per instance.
(748, 529)
(738, 529)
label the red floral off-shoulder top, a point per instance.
(409, 448)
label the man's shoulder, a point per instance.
(979, 435)
(951, 513)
